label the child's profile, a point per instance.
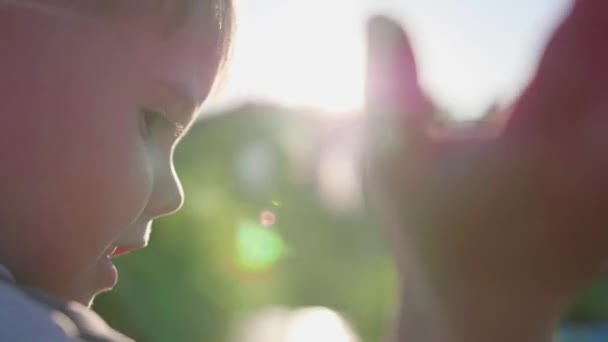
(95, 97)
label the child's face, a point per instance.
(90, 114)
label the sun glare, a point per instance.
(310, 54)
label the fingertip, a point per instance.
(392, 77)
(382, 25)
(386, 37)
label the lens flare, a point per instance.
(258, 248)
(268, 218)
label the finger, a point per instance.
(396, 105)
(398, 113)
(392, 78)
(571, 79)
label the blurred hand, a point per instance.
(499, 223)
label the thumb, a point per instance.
(392, 77)
(398, 113)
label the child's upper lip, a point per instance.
(122, 250)
(117, 251)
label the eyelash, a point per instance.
(153, 120)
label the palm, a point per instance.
(500, 202)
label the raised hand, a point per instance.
(498, 224)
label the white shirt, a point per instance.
(23, 318)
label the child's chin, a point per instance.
(106, 274)
(86, 298)
(103, 278)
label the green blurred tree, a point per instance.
(214, 262)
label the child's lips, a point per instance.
(120, 251)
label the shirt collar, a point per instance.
(6, 274)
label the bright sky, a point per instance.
(311, 52)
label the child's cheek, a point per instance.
(117, 174)
(103, 181)
(115, 170)
(74, 165)
(106, 178)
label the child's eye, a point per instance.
(155, 122)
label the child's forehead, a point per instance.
(173, 12)
(183, 57)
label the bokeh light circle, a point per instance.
(268, 218)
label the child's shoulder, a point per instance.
(24, 319)
(30, 315)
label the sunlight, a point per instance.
(312, 52)
(306, 324)
(318, 324)
(316, 58)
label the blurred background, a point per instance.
(273, 243)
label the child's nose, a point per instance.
(168, 195)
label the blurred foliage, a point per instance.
(592, 306)
(214, 262)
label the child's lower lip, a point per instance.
(107, 272)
